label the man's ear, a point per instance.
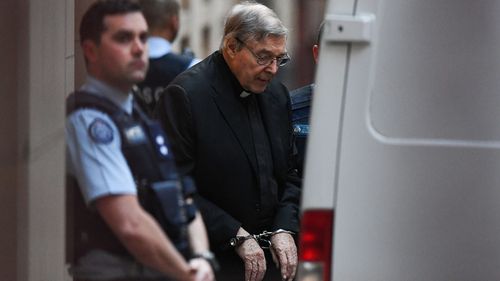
(174, 22)
(231, 46)
(89, 48)
(315, 52)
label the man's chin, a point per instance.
(259, 86)
(137, 78)
(258, 90)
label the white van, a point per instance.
(402, 176)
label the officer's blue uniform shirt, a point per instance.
(158, 47)
(94, 147)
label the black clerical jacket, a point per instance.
(207, 123)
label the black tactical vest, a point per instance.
(161, 72)
(159, 188)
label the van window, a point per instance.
(423, 54)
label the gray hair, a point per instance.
(158, 12)
(252, 21)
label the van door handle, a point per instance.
(348, 28)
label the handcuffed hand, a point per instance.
(284, 254)
(202, 271)
(253, 258)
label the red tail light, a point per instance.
(315, 245)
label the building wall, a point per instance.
(80, 8)
(199, 19)
(36, 72)
(307, 17)
(9, 144)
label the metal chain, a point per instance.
(264, 239)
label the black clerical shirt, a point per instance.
(263, 156)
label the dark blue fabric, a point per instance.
(161, 72)
(301, 111)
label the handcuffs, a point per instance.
(264, 239)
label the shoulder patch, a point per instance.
(300, 129)
(100, 131)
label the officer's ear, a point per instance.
(315, 52)
(89, 48)
(174, 22)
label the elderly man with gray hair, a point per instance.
(230, 129)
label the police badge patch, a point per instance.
(300, 129)
(100, 131)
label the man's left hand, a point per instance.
(284, 254)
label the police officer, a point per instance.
(163, 20)
(130, 195)
(301, 99)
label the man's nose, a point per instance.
(138, 46)
(273, 66)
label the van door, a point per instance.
(405, 139)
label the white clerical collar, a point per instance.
(99, 88)
(158, 47)
(244, 94)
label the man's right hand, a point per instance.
(253, 257)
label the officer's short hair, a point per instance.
(158, 12)
(252, 21)
(92, 24)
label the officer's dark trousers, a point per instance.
(233, 269)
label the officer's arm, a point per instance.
(198, 238)
(142, 236)
(203, 260)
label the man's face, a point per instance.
(120, 59)
(253, 76)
